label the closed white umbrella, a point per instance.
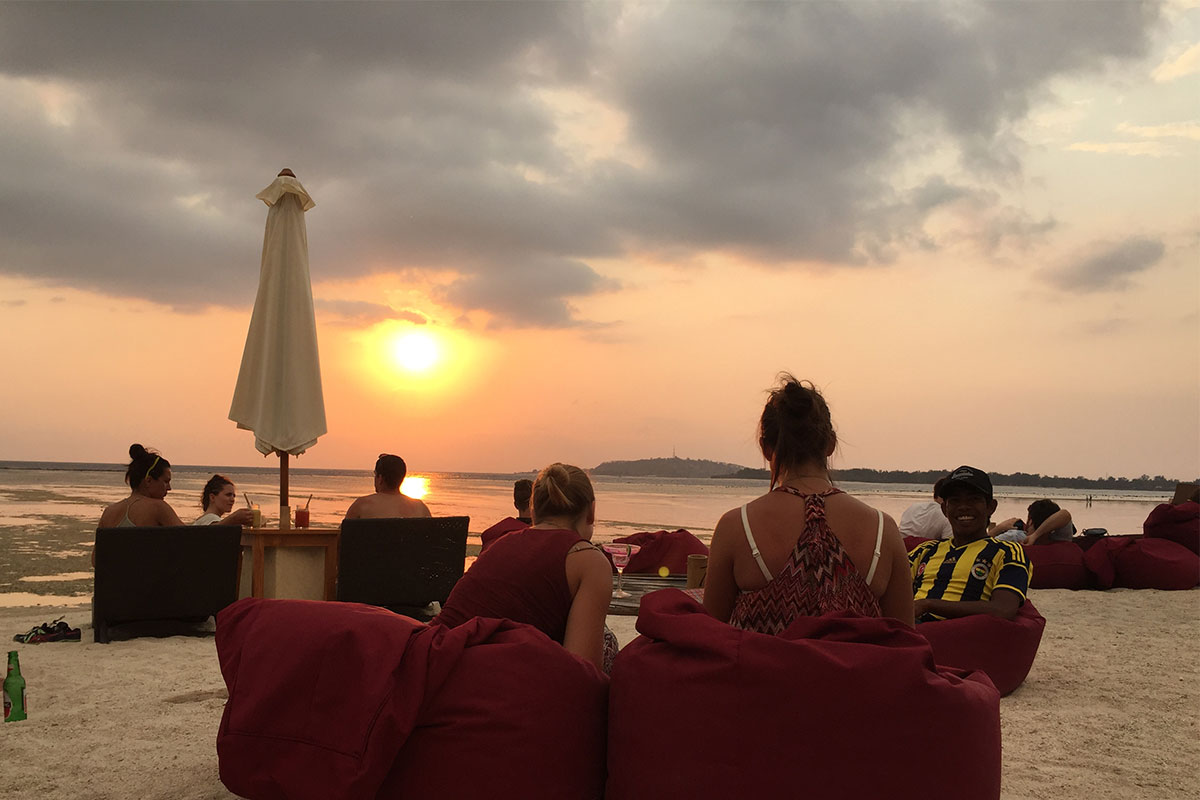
(278, 393)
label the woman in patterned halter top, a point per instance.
(804, 548)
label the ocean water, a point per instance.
(48, 511)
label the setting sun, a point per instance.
(416, 351)
(415, 486)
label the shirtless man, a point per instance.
(387, 501)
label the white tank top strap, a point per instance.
(754, 546)
(878, 545)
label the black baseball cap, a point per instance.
(977, 479)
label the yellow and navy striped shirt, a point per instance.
(942, 571)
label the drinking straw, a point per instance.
(309, 500)
(248, 503)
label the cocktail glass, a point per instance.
(301, 517)
(621, 553)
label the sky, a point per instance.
(974, 226)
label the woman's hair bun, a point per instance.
(561, 490)
(136, 451)
(796, 396)
(795, 426)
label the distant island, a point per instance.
(702, 468)
(1145, 483)
(666, 468)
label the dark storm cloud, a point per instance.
(770, 130)
(529, 293)
(1107, 265)
(774, 126)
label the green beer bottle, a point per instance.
(14, 690)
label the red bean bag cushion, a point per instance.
(911, 542)
(1098, 558)
(1180, 524)
(1058, 565)
(518, 717)
(1155, 564)
(342, 700)
(698, 709)
(1003, 649)
(662, 549)
(506, 525)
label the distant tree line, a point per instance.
(664, 468)
(1146, 483)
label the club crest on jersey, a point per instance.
(979, 570)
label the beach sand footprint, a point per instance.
(198, 696)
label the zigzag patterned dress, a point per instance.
(819, 578)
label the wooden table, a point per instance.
(638, 585)
(259, 539)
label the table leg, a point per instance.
(331, 571)
(257, 568)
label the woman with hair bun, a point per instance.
(805, 548)
(149, 479)
(548, 575)
(217, 499)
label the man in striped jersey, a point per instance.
(970, 573)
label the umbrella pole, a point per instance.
(284, 522)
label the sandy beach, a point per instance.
(1111, 708)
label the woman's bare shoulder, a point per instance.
(855, 511)
(113, 514)
(848, 502)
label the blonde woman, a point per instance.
(548, 575)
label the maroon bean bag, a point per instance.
(1138, 562)
(1180, 524)
(1098, 558)
(1154, 564)
(1058, 565)
(662, 549)
(1003, 649)
(698, 710)
(911, 542)
(506, 525)
(343, 700)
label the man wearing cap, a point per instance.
(970, 573)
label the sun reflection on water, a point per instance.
(415, 486)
